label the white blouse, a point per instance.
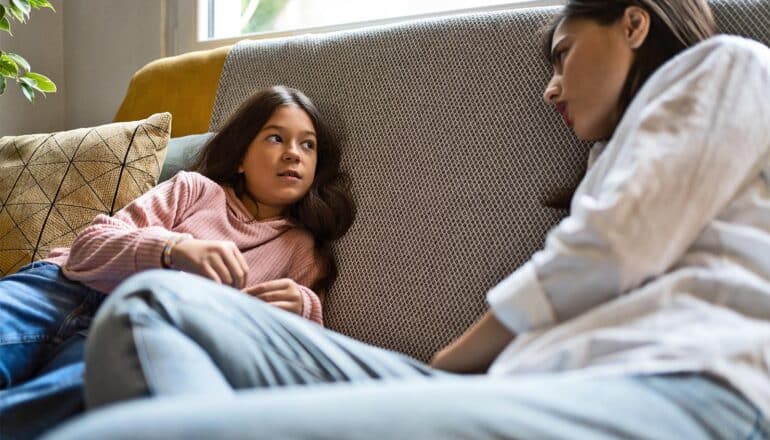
(664, 262)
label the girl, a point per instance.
(258, 215)
(645, 315)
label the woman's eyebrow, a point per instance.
(554, 48)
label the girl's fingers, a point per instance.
(241, 261)
(211, 274)
(218, 266)
(277, 295)
(268, 286)
(234, 269)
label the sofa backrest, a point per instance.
(452, 153)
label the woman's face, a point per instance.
(591, 64)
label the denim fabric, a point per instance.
(223, 365)
(43, 318)
(184, 334)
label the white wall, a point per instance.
(105, 42)
(90, 49)
(41, 42)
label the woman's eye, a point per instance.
(560, 56)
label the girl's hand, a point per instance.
(220, 261)
(283, 293)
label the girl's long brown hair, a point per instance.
(327, 210)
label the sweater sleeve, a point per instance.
(113, 248)
(311, 305)
(691, 139)
(308, 269)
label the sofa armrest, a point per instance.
(184, 85)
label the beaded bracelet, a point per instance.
(165, 255)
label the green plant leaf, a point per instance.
(20, 62)
(2, 12)
(23, 6)
(2, 85)
(28, 91)
(28, 81)
(8, 66)
(37, 4)
(5, 25)
(42, 82)
(17, 13)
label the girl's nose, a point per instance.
(291, 153)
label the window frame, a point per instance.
(183, 22)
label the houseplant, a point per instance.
(13, 66)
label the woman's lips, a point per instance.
(561, 107)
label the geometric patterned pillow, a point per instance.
(53, 185)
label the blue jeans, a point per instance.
(43, 318)
(220, 364)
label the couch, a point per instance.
(458, 166)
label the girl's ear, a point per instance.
(636, 24)
(240, 168)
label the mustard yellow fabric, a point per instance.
(53, 185)
(183, 85)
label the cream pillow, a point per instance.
(53, 185)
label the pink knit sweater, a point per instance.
(112, 248)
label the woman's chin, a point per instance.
(589, 135)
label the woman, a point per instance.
(645, 315)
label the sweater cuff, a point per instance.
(311, 305)
(520, 302)
(148, 255)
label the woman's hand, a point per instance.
(283, 293)
(220, 261)
(475, 349)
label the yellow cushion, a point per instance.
(53, 185)
(184, 85)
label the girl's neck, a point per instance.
(258, 211)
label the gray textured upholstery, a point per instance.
(451, 151)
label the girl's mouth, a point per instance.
(290, 173)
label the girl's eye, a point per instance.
(309, 145)
(274, 138)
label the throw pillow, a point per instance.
(182, 151)
(53, 185)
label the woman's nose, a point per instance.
(551, 91)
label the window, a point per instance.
(205, 24)
(221, 19)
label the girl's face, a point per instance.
(591, 64)
(279, 165)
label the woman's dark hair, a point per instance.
(327, 210)
(674, 26)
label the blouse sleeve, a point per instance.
(694, 136)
